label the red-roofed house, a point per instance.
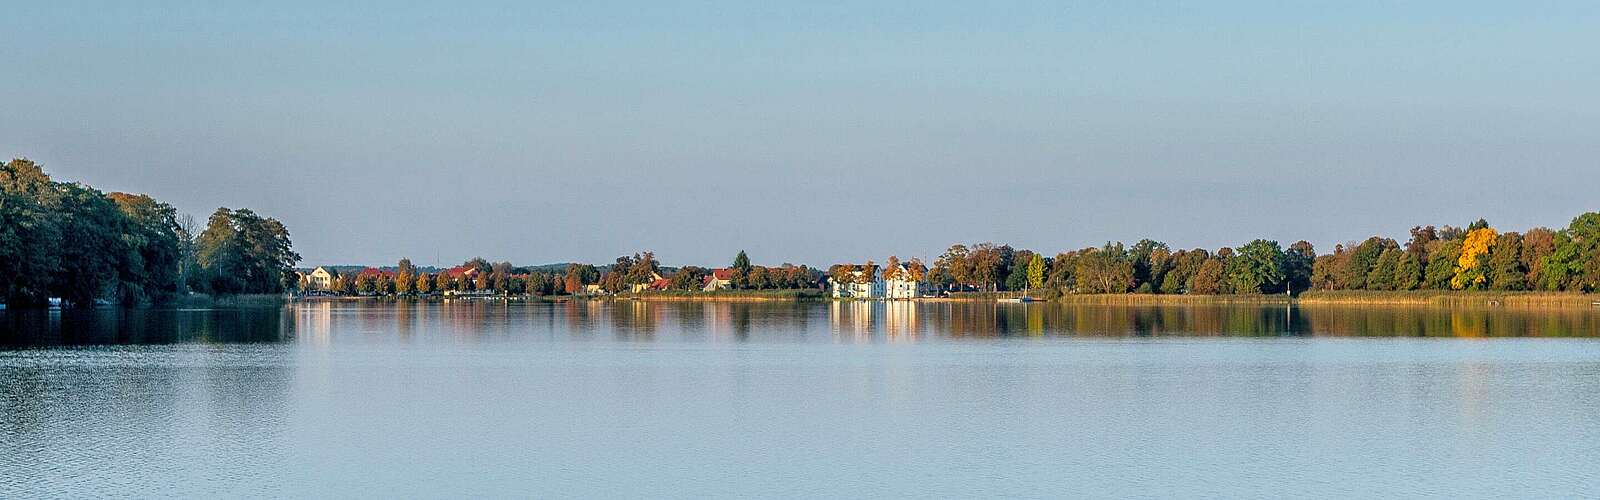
(460, 271)
(719, 279)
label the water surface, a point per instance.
(811, 399)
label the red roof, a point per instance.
(661, 284)
(461, 270)
(724, 274)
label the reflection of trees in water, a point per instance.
(1422, 321)
(982, 319)
(105, 326)
(634, 318)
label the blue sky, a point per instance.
(813, 132)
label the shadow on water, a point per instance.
(118, 326)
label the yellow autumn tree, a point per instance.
(1474, 251)
(891, 270)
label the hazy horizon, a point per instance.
(813, 134)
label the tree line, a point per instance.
(627, 273)
(1477, 257)
(70, 241)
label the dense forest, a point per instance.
(73, 242)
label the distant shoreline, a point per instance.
(1339, 298)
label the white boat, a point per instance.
(1016, 300)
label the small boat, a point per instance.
(1016, 300)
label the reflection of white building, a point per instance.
(900, 321)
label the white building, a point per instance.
(899, 282)
(320, 279)
(864, 285)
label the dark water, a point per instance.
(632, 399)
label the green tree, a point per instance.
(1574, 264)
(1105, 270)
(241, 252)
(1408, 271)
(1297, 264)
(1257, 268)
(29, 234)
(1385, 270)
(741, 262)
(1505, 263)
(1441, 264)
(1145, 268)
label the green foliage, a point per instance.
(1257, 268)
(1408, 272)
(1441, 265)
(72, 241)
(241, 252)
(1105, 270)
(1384, 271)
(1297, 266)
(1505, 264)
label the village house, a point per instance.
(656, 283)
(719, 279)
(319, 279)
(906, 281)
(899, 282)
(864, 284)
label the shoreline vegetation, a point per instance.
(70, 244)
(1429, 298)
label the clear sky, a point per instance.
(813, 132)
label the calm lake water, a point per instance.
(813, 399)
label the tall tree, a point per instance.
(241, 252)
(1257, 268)
(151, 269)
(1105, 270)
(1208, 279)
(1297, 266)
(1036, 270)
(1505, 263)
(1470, 270)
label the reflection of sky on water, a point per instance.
(838, 399)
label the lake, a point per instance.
(803, 399)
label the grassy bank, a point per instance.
(1155, 299)
(1452, 298)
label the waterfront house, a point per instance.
(903, 281)
(719, 279)
(320, 278)
(864, 283)
(656, 283)
(906, 281)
